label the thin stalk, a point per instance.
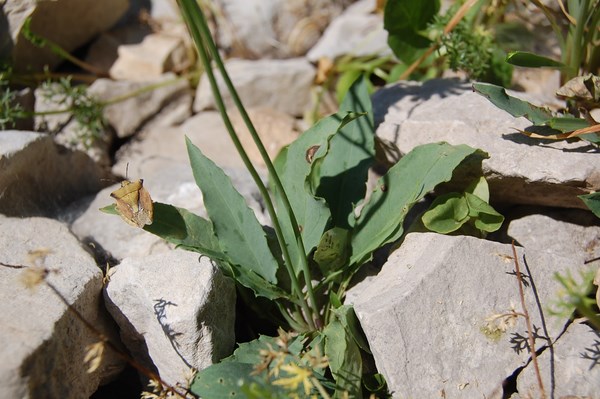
(531, 339)
(201, 37)
(205, 32)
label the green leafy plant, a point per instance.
(10, 109)
(324, 231)
(417, 29)
(576, 28)
(546, 125)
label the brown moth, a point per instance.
(134, 203)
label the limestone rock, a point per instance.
(570, 369)
(175, 311)
(283, 85)
(127, 116)
(40, 177)
(276, 130)
(520, 170)
(564, 238)
(272, 28)
(433, 315)
(148, 60)
(358, 32)
(43, 343)
(68, 23)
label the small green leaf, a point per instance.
(531, 60)
(332, 252)
(487, 219)
(567, 123)
(447, 213)
(375, 383)
(240, 235)
(514, 106)
(592, 201)
(223, 380)
(347, 317)
(110, 209)
(344, 357)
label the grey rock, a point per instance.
(43, 343)
(569, 369)
(68, 23)
(175, 312)
(40, 177)
(432, 315)
(272, 28)
(155, 55)
(520, 170)
(545, 233)
(283, 85)
(130, 115)
(167, 182)
(205, 130)
(357, 32)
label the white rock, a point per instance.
(68, 23)
(167, 182)
(173, 310)
(427, 314)
(127, 116)
(40, 177)
(272, 28)
(283, 85)
(545, 233)
(205, 130)
(148, 60)
(357, 32)
(43, 343)
(570, 368)
(520, 170)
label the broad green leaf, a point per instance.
(344, 357)
(409, 14)
(223, 380)
(567, 123)
(182, 228)
(405, 21)
(514, 106)
(531, 60)
(592, 201)
(240, 235)
(447, 213)
(294, 167)
(344, 170)
(416, 174)
(487, 219)
(333, 251)
(312, 214)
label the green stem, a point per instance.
(576, 37)
(201, 35)
(314, 316)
